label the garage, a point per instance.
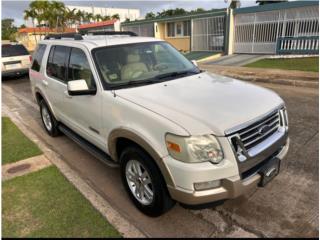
(277, 29)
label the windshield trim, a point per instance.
(109, 86)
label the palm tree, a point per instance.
(115, 16)
(70, 16)
(31, 14)
(89, 16)
(98, 17)
(106, 18)
(58, 10)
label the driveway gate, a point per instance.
(208, 34)
(259, 32)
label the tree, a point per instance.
(115, 16)
(262, 2)
(150, 15)
(198, 10)
(106, 18)
(8, 29)
(31, 14)
(22, 26)
(98, 17)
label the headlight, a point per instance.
(195, 148)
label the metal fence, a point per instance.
(259, 32)
(145, 29)
(298, 45)
(208, 34)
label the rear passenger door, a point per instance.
(55, 82)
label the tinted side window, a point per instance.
(56, 66)
(79, 68)
(37, 57)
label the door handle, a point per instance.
(67, 94)
(44, 82)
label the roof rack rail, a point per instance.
(132, 34)
(75, 36)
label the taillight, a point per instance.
(30, 58)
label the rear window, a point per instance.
(37, 57)
(9, 50)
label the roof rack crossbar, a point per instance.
(132, 34)
(75, 36)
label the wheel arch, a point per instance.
(122, 136)
(39, 95)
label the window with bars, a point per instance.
(178, 29)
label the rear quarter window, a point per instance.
(9, 50)
(37, 57)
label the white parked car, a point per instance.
(177, 133)
(15, 59)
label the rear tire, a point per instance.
(149, 180)
(49, 122)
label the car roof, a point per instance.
(100, 41)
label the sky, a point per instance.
(14, 9)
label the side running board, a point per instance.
(95, 151)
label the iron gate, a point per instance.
(208, 34)
(259, 32)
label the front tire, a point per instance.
(49, 122)
(144, 182)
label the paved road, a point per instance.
(237, 59)
(288, 207)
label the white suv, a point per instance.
(178, 133)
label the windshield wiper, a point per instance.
(135, 83)
(175, 74)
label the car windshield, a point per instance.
(140, 64)
(9, 50)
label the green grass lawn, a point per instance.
(302, 64)
(198, 55)
(45, 204)
(15, 145)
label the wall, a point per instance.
(29, 40)
(180, 43)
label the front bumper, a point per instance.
(232, 187)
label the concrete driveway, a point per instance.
(237, 59)
(288, 207)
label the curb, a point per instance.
(124, 227)
(266, 78)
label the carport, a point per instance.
(291, 27)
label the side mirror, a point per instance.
(194, 63)
(79, 87)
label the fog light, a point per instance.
(207, 185)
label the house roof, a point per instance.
(98, 24)
(276, 6)
(43, 30)
(215, 12)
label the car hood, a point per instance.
(204, 103)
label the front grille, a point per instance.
(250, 136)
(253, 134)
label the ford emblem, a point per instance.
(264, 129)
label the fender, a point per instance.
(38, 90)
(130, 135)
